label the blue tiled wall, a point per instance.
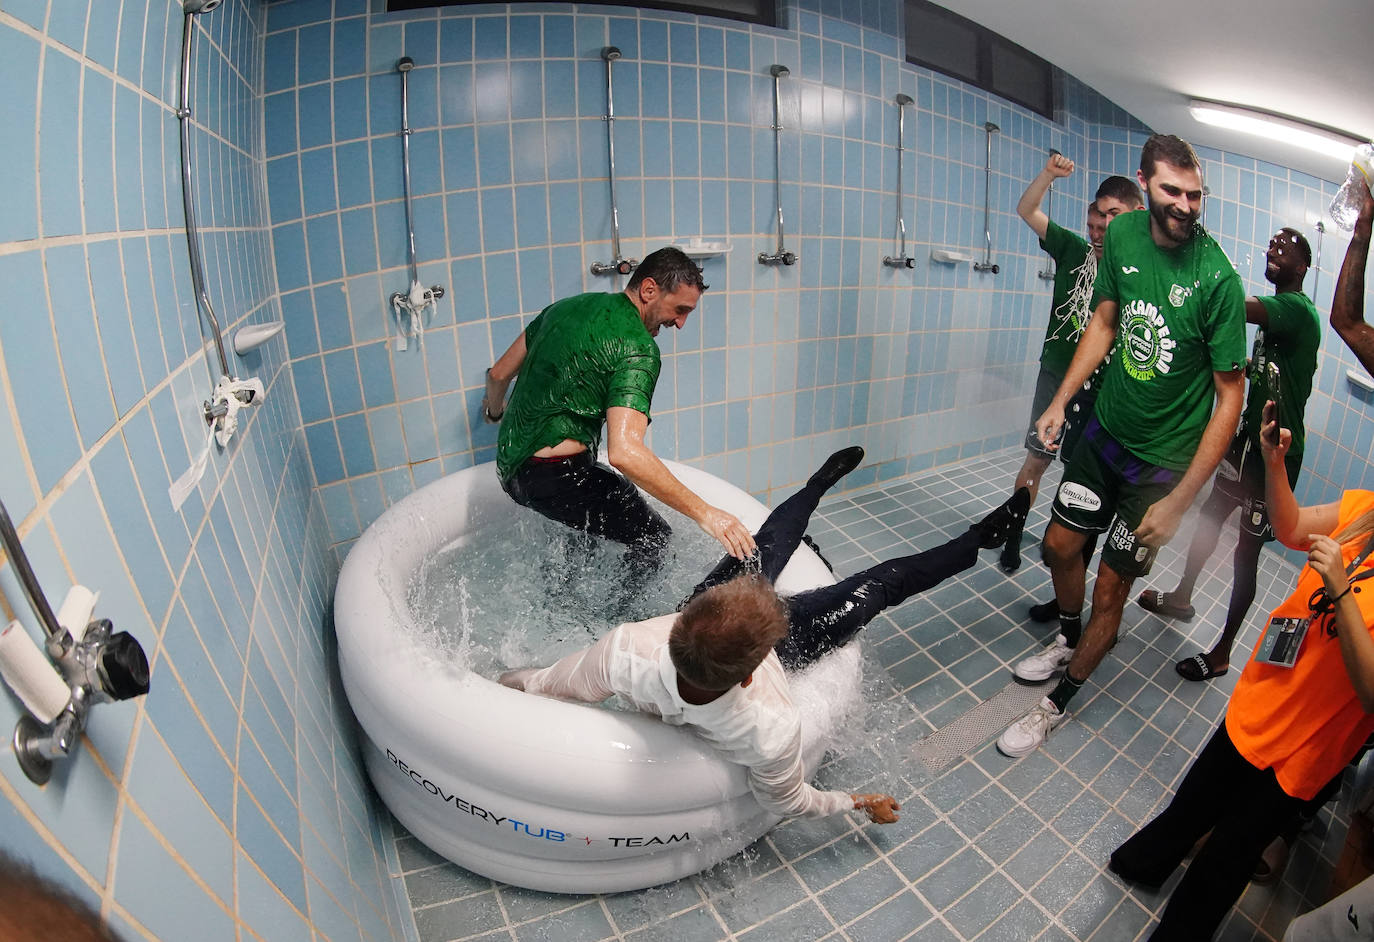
(229, 800)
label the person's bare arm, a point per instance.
(1291, 523)
(1093, 347)
(1028, 207)
(1162, 518)
(1256, 313)
(1357, 647)
(1347, 305)
(629, 455)
(499, 378)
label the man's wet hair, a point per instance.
(725, 632)
(1121, 188)
(670, 268)
(1172, 150)
(1301, 240)
(35, 909)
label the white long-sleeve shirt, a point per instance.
(757, 726)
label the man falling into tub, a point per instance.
(1172, 312)
(585, 360)
(719, 666)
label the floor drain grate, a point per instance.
(978, 725)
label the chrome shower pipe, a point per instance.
(1317, 262)
(780, 255)
(901, 260)
(188, 200)
(14, 549)
(1047, 273)
(618, 265)
(404, 298)
(986, 264)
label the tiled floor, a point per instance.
(987, 848)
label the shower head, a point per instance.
(405, 64)
(778, 70)
(198, 6)
(904, 99)
(610, 53)
(990, 127)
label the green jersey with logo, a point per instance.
(584, 354)
(1181, 316)
(1291, 340)
(1075, 266)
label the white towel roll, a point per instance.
(31, 675)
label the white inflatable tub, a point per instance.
(535, 792)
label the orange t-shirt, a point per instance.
(1305, 721)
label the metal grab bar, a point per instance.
(618, 265)
(986, 264)
(901, 260)
(188, 200)
(780, 256)
(20, 560)
(416, 299)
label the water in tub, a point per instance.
(531, 591)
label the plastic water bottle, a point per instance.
(1345, 208)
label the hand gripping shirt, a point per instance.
(1181, 316)
(757, 726)
(1291, 340)
(1305, 721)
(584, 354)
(1071, 304)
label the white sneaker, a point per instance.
(1047, 663)
(1030, 732)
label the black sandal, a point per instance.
(1197, 668)
(1152, 600)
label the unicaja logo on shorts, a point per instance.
(1078, 496)
(1145, 339)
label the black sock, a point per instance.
(1064, 691)
(1071, 627)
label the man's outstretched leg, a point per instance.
(783, 530)
(828, 617)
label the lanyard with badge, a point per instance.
(1284, 635)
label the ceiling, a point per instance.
(1309, 60)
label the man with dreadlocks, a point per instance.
(1171, 310)
(1075, 262)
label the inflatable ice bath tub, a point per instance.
(535, 792)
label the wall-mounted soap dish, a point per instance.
(1359, 379)
(949, 256)
(703, 248)
(247, 339)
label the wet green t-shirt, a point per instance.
(1181, 316)
(1291, 340)
(584, 354)
(1069, 309)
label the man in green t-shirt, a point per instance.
(1171, 311)
(1075, 268)
(1290, 332)
(583, 361)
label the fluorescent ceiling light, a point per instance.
(1276, 128)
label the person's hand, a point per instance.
(1274, 441)
(1058, 166)
(517, 678)
(725, 527)
(1160, 522)
(1324, 556)
(881, 809)
(1050, 426)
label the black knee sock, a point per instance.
(1065, 690)
(1071, 627)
